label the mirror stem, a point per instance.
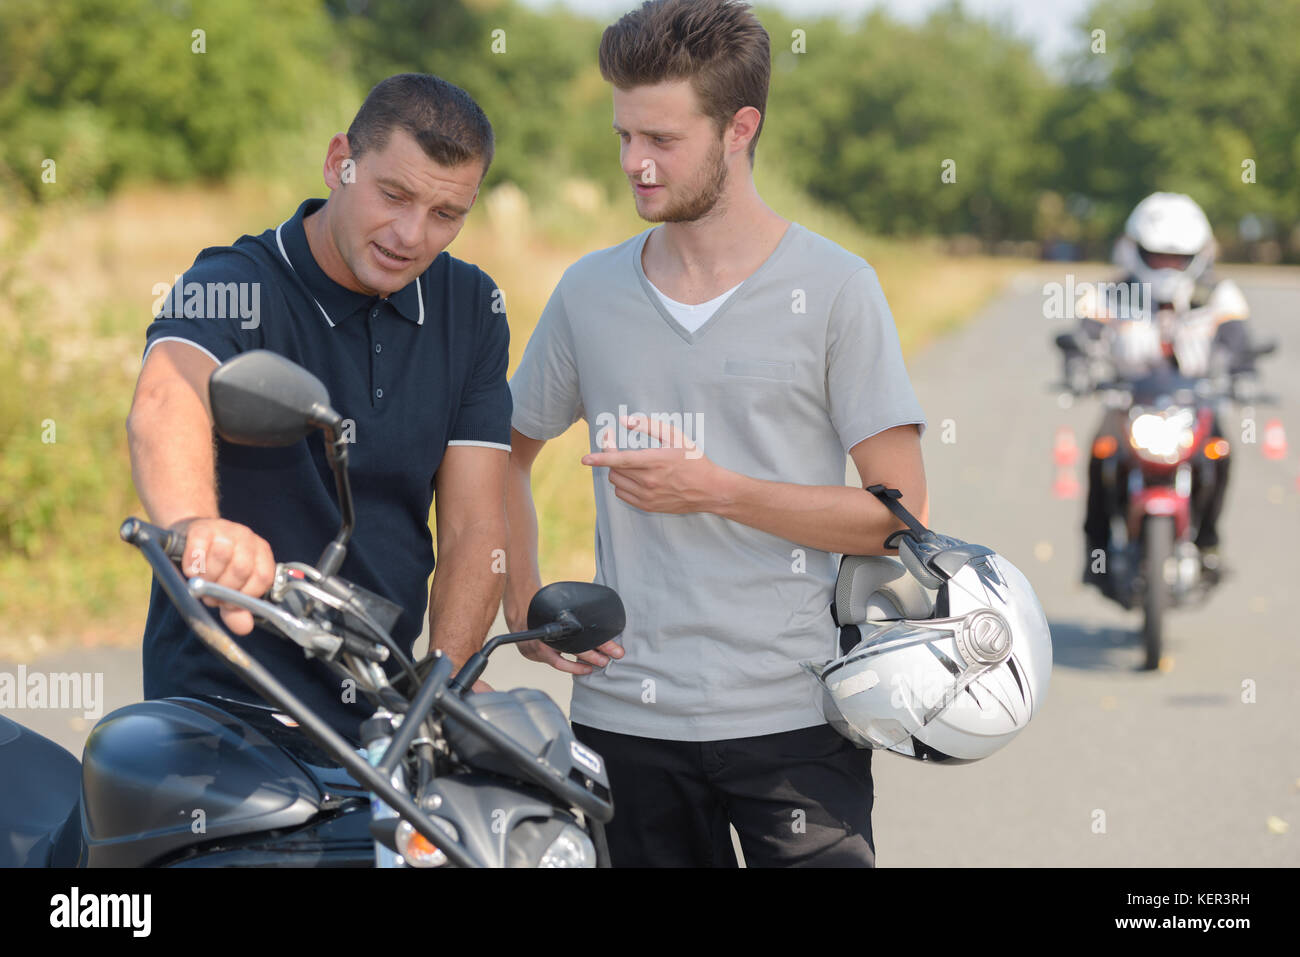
(477, 662)
(336, 449)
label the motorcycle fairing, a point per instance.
(535, 721)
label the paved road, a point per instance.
(1183, 771)
(1122, 767)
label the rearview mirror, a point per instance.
(262, 398)
(597, 608)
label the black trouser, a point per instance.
(1209, 488)
(796, 798)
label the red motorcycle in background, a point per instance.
(1159, 459)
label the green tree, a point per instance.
(533, 73)
(117, 89)
(868, 115)
(1186, 92)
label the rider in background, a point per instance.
(1195, 323)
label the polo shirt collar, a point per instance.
(334, 302)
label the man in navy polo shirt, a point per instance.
(413, 347)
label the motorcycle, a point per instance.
(445, 778)
(1161, 428)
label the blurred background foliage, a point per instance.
(165, 141)
(862, 119)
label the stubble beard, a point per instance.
(701, 203)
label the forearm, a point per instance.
(172, 456)
(841, 519)
(467, 588)
(523, 576)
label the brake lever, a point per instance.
(307, 636)
(297, 631)
(173, 544)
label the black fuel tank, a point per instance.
(149, 767)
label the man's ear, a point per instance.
(340, 167)
(742, 128)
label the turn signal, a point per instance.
(417, 850)
(1216, 448)
(1104, 447)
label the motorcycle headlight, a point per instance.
(1162, 437)
(571, 848)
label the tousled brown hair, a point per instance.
(718, 45)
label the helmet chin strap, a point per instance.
(931, 558)
(889, 498)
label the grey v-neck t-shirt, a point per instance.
(800, 364)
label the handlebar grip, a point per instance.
(173, 544)
(172, 541)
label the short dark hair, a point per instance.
(718, 45)
(444, 119)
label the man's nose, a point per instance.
(637, 165)
(409, 227)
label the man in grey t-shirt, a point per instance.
(718, 465)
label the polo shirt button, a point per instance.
(378, 347)
(379, 393)
(374, 313)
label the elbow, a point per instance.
(144, 408)
(145, 416)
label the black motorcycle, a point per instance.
(446, 777)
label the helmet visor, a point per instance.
(860, 705)
(1155, 260)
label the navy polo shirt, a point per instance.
(411, 374)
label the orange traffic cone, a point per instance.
(1274, 445)
(1065, 451)
(1066, 485)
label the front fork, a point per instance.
(1176, 499)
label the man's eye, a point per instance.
(389, 196)
(444, 217)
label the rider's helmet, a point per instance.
(1168, 243)
(952, 656)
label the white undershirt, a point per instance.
(692, 317)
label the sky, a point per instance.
(1049, 24)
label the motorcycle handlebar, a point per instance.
(169, 541)
(162, 548)
(172, 544)
(150, 539)
(158, 545)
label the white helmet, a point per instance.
(1170, 224)
(954, 653)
